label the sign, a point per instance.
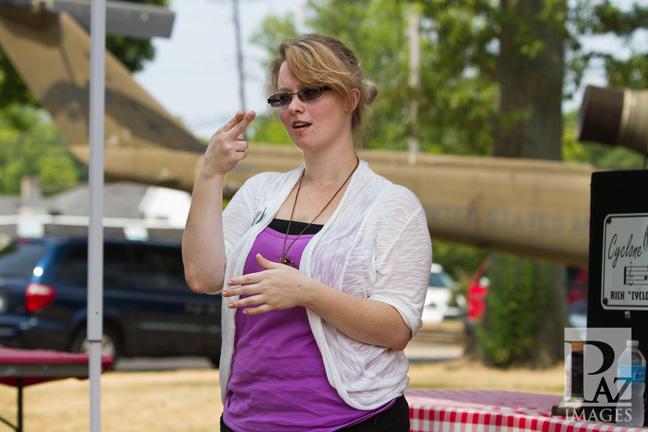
(624, 282)
(592, 392)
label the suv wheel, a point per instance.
(109, 343)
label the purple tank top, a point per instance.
(278, 380)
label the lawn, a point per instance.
(189, 400)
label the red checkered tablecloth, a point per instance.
(492, 411)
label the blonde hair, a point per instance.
(317, 60)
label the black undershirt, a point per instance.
(281, 225)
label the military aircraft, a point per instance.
(533, 208)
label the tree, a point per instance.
(31, 146)
(527, 299)
(532, 37)
(493, 77)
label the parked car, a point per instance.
(148, 307)
(577, 314)
(442, 301)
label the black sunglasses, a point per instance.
(306, 94)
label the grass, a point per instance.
(464, 375)
(189, 400)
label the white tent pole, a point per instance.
(95, 228)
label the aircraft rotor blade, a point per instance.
(122, 18)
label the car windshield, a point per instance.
(19, 259)
(440, 280)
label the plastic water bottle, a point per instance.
(574, 371)
(631, 369)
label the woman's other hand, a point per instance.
(226, 147)
(278, 286)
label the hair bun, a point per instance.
(370, 91)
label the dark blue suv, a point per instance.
(149, 309)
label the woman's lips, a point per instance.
(299, 125)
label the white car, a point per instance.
(441, 301)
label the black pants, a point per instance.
(393, 419)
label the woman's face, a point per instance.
(313, 125)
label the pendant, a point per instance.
(285, 260)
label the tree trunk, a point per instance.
(530, 73)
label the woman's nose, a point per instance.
(295, 105)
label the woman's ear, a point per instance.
(356, 99)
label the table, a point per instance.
(20, 368)
(492, 411)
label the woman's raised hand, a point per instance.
(226, 147)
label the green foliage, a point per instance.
(516, 304)
(273, 31)
(455, 106)
(599, 155)
(458, 95)
(376, 31)
(133, 53)
(460, 261)
(31, 146)
(12, 87)
(460, 40)
(268, 130)
(604, 17)
(631, 73)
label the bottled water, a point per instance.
(574, 371)
(631, 369)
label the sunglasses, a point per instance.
(306, 94)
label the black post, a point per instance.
(20, 404)
(619, 196)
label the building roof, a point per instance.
(122, 202)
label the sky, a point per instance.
(194, 74)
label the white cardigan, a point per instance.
(376, 245)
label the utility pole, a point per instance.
(413, 81)
(239, 57)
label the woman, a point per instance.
(324, 268)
